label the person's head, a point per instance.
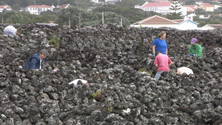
(87, 83)
(162, 35)
(193, 41)
(43, 53)
(157, 53)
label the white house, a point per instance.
(216, 6)
(212, 26)
(6, 7)
(137, 6)
(158, 21)
(199, 2)
(204, 17)
(64, 6)
(112, 1)
(37, 9)
(161, 7)
(187, 25)
(191, 8)
(189, 17)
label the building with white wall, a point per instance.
(187, 25)
(158, 21)
(212, 27)
(6, 8)
(155, 22)
(161, 7)
(37, 9)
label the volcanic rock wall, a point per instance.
(113, 60)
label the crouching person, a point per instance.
(184, 70)
(35, 61)
(10, 30)
(162, 62)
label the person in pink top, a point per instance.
(162, 62)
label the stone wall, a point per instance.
(110, 58)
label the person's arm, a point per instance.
(199, 52)
(156, 65)
(154, 46)
(178, 71)
(154, 49)
(189, 51)
(170, 63)
(166, 51)
(33, 63)
(156, 62)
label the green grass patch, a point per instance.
(55, 41)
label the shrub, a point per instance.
(55, 41)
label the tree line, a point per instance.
(113, 14)
(71, 15)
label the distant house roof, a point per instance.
(64, 6)
(191, 6)
(207, 5)
(189, 9)
(215, 26)
(155, 20)
(39, 6)
(6, 7)
(179, 20)
(160, 4)
(188, 21)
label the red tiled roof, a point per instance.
(8, 7)
(63, 6)
(156, 20)
(160, 4)
(191, 6)
(39, 6)
(190, 9)
(207, 5)
(179, 20)
(216, 26)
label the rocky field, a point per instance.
(118, 63)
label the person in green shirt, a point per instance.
(195, 49)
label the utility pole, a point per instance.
(69, 23)
(34, 2)
(2, 20)
(103, 18)
(121, 23)
(79, 19)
